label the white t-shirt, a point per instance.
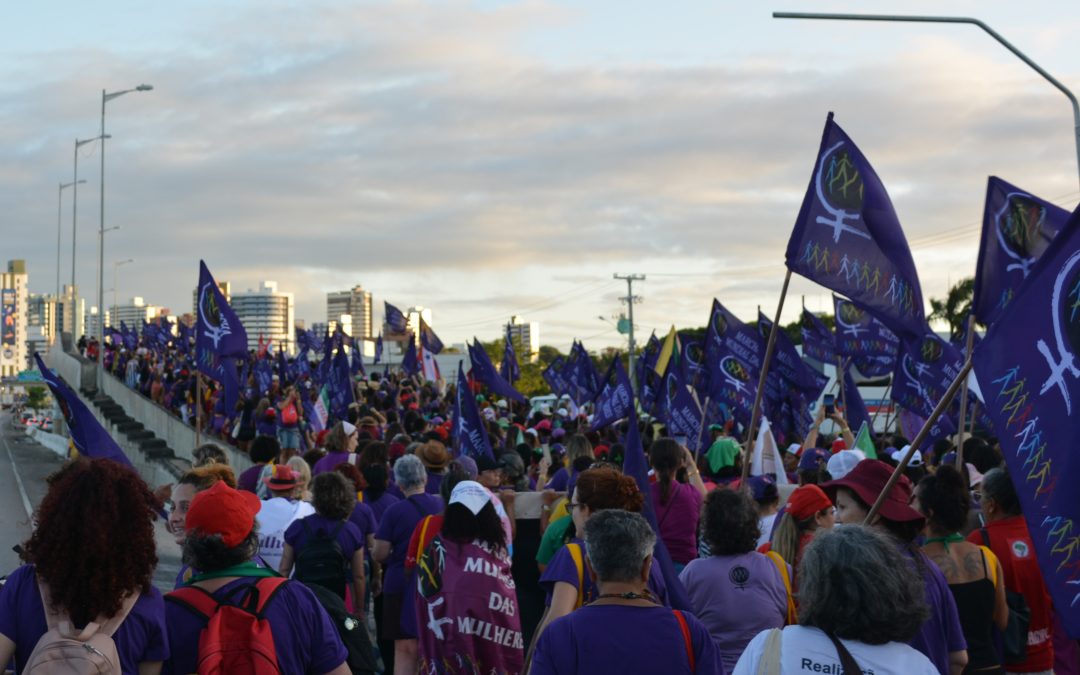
(809, 650)
(765, 523)
(274, 518)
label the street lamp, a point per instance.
(116, 265)
(105, 98)
(75, 206)
(953, 19)
(59, 213)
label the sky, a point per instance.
(493, 158)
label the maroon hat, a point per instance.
(281, 478)
(867, 480)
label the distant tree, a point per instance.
(36, 398)
(955, 308)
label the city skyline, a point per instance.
(493, 158)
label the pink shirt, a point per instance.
(678, 519)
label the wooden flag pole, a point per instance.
(964, 396)
(873, 420)
(841, 370)
(701, 427)
(749, 446)
(950, 394)
(198, 407)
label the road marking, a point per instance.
(18, 479)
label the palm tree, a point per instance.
(955, 308)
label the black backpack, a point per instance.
(353, 633)
(322, 562)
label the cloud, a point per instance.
(417, 149)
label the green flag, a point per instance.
(865, 443)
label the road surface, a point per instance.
(24, 467)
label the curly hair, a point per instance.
(853, 582)
(601, 489)
(204, 477)
(94, 537)
(944, 498)
(333, 496)
(208, 553)
(209, 453)
(730, 522)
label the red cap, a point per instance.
(225, 511)
(838, 445)
(806, 501)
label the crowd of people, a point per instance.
(372, 546)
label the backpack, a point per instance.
(1014, 638)
(352, 631)
(237, 639)
(289, 416)
(322, 562)
(63, 650)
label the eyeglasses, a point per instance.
(575, 505)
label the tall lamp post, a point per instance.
(954, 19)
(59, 214)
(105, 98)
(75, 205)
(115, 285)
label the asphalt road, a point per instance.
(24, 466)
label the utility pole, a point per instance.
(630, 299)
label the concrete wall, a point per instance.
(54, 442)
(178, 437)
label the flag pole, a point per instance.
(964, 395)
(701, 427)
(198, 407)
(950, 394)
(754, 413)
(873, 420)
(841, 370)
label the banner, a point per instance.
(1029, 373)
(847, 236)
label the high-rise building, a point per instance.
(41, 313)
(71, 313)
(268, 313)
(132, 314)
(526, 337)
(356, 303)
(90, 322)
(13, 318)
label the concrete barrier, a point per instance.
(54, 442)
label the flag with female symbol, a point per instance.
(1017, 228)
(1029, 373)
(847, 236)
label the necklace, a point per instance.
(629, 595)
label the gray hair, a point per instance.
(409, 472)
(857, 583)
(617, 543)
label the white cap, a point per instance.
(349, 428)
(974, 477)
(532, 432)
(501, 403)
(472, 494)
(563, 412)
(488, 413)
(916, 457)
(841, 464)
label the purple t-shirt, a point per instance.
(141, 637)
(595, 639)
(434, 482)
(941, 633)
(249, 478)
(363, 518)
(304, 638)
(559, 481)
(563, 568)
(332, 459)
(396, 527)
(379, 506)
(349, 537)
(749, 581)
(678, 520)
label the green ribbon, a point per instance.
(953, 538)
(244, 569)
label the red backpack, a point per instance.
(237, 638)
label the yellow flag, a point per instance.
(665, 353)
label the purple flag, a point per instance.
(847, 236)
(874, 366)
(429, 339)
(637, 467)
(218, 331)
(378, 349)
(410, 363)
(733, 353)
(1029, 372)
(1017, 228)
(483, 371)
(682, 413)
(925, 367)
(789, 365)
(860, 334)
(339, 385)
(582, 380)
(818, 342)
(856, 413)
(615, 401)
(469, 431)
(395, 320)
(553, 376)
(509, 368)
